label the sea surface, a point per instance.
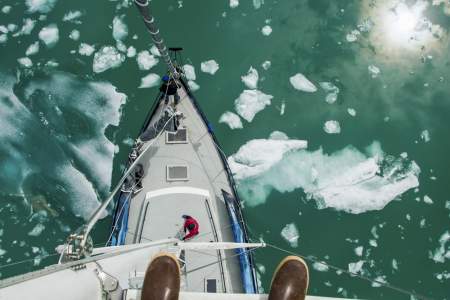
(334, 115)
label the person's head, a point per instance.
(165, 78)
(186, 217)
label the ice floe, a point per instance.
(427, 199)
(74, 35)
(189, 71)
(49, 35)
(257, 3)
(332, 127)
(352, 36)
(290, 234)
(250, 102)
(266, 30)
(154, 51)
(266, 65)
(193, 86)
(27, 27)
(37, 230)
(347, 180)
(73, 16)
(234, 3)
(374, 71)
(443, 252)
(356, 267)
(379, 281)
(251, 79)
(332, 91)
(131, 51)
(351, 112)
(359, 250)
(86, 49)
(231, 119)
(209, 66)
(146, 61)
(120, 29)
(394, 264)
(25, 62)
(32, 49)
(321, 267)
(6, 9)
(41, 6)
(301, 83)
(108, 57)
(425, 136)
(149, 81)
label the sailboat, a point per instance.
(176, 168)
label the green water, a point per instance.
(58, 110)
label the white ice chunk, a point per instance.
(41, 6)
(351, 112)
(332, 127)
(27, 27)
(443, 252)
(394, 264)
(290, 234)
(359, 250)
(37, 230)
(6, 9)
(427, 199)
(250, 102)
(379, 280)
(320, 266)
(12, 27)
(266, 30)
(374, 71)
(209, 66)
(32, 49)
(146, 61)
(72, 16)
(2, 252)
(107, 58)
(251, 79)
(425, 136)
(120, 29)
(131, 51)
(49, 35)
(352, 36)
(154, 51)
(332, 91)
(25, 62)
(86, 49)
(282, 108)
(231, 119)
(266, 65)
(193, 86)
(356, 267)
(234, 3)
(189, 71)
(257, 3)
(3, 38)
(301, 83)
(74, 35)
(149, 81)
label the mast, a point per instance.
(149, 22)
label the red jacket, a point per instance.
(192, 232)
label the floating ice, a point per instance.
(49, 35)
(3, 29)
(2, 252)
(266, 65)
(425, 136)
(6, 9)
(351, 112)
(189, 71)
(251, 79)
(301, 83)
(146, 61)
(282, 108)
(356, 267)
(149, 81)
(32, 49)
(41, 6)
(25, 62)
(107, 58)
(86, 49)
(427, 199)
(374, 71)
(257, 3)
(154, 51)
(131, 51)
(12, 27)
(231, 119)
(290, 234)
(72, 16)
(332, 91)
(373, 243)
(379, 281)
(352, 36)
(37, 230)
(266, 30)
(74, 35)
(443, 252)
(120, 29)
(234, 3)
(359, 250)
(332, 127)
(209, 66)
(321, 267)
(193, 86)
(394, 264)
(27, 27)
(250, 102)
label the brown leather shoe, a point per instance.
(290, 280)
(162, 279)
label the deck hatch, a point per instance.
(177, 173)
(178, 137)
(211, 285)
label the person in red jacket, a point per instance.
(191, 225)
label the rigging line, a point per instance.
(385, 284)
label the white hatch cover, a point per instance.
(177, 173)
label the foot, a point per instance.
(162, 279)
(290, 280)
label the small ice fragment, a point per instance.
(374, 71)
(107, 58)
(379, 281)
(282, 108)
(74, 35)
(331, 98)
(231, 119)
(257, 3)
(210, 66)
(279, 136)
(131, 51)
(427, 199)
(49, 35)
(2, 252)
(290, 234)
(72, 16)
(301, 83)
(86, 49)
(35, 249)
(321, 267)
(234, 3)
(408, 217)
(352, 36)
(6, 9)
(359, 250)
(193, 86)
(351, 112)
(251, 79)
(266, 30)
(120, 29)
(250, 102)
(425, 136)
(146, 61)
(394, 264)
(154, 51)
(189, 71)
(37, 230)
(442, 253)
(32, 49)
(41, 6)
(12, 27)
(404, 155)
(332, 127)
(27, 27)
(373, 243)
(422, 223)
(356, 267)
(266, 65)
(25, 62)
(149, 81)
